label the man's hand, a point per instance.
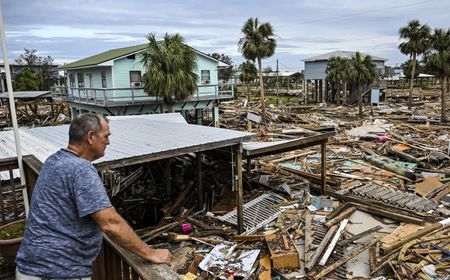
(159, 256)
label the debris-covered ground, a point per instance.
(384, 215)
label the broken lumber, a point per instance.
(336, 237)
(345, 259)
(321, 247)
(347, 212)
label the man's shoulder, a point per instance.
(64, 161)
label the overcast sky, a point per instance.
(69, 30)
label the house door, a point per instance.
(91, 86)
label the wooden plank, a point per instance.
(323, 163)
(282, 257)
(321, 247)
(308, 237)
(141, 267)
(289, 146)
(239, 187)
(405, 239)
(347, 212)
(400, 232)
(360, 235)
(336, 237)
(344, 259)
(428, 185)
(393, 214)
(266, 268)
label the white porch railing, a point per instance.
(133, 95)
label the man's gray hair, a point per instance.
(82, 124)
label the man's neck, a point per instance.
(78, 151)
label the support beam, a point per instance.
(239, 187)
(216, 116)
(199, 180)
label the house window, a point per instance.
(135, 79)
(206, 77)
(103, 74)
(71, 80)
(80, 78)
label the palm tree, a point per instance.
(364, 72)
(248, 75)
(258, 43)
(337, 73)
(438, 62)
(170, 69)
(416, 43)
(27, 80)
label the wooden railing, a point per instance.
(11, 199)
(113, 262)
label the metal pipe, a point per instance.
(12, 110)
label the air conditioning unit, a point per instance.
(136, 84)
(206, 82)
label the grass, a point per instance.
(12, 231)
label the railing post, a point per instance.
(132, 95)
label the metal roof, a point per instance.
(342, 54)
(27, 94)
(134, 139)
(121, 52)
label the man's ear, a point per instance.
(90, 137)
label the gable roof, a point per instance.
(342, 54)
(104, 56)
(118, 53)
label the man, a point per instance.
(70, 207)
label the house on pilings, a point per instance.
(110, 83)
(317, 89)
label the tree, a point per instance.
(437, 60)
(43, 65)
(224, 73)
(337, 73)
(364, 72)
(407, 68)
(27, 80)
(417, 41)
(47, 78)
(29, 58)
(258, 43)
(248, 75)
(170, 69)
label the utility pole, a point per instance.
(278, 101)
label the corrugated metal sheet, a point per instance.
(27, 94)
(131, 136)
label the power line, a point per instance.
(363, 12)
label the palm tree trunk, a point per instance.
(360, 100)
(443, 104)
(248, 93)
(412, 81)
(344, 96)
(261, 89)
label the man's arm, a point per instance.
(116, 228)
